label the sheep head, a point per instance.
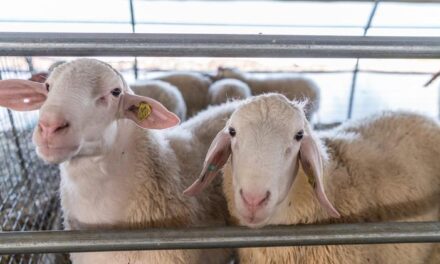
(266, 139)
(80, 104)
(229, 73)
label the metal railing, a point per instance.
(220, 237)
(216, 45)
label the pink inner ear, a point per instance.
(217, 156)
(312, 164)
(22, 95)
(39, 77)
(160, 117)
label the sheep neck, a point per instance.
(109, 189)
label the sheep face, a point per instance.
(80, 106)
(264, 158)
(78, 115)
(260, 138)
(266, 139)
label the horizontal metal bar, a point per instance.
(215, 45)
(404, 1)
(222, 237)
(396, 1)
(218, 24)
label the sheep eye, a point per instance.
(299, 135)
(47, 86)
(116, 92)
(232, 131)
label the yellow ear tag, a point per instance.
(144, 111)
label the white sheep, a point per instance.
(194, 88)
(228, 89)
(166, 93)
(292, 86)
(382, 168)
(114, 172)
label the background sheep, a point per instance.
(384, 168)
(167, 94)
(114, 173)
(194, 88)
(292, 86)
(228, 89)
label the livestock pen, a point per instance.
(31, 219)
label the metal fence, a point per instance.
(28, 188)
(216, 45)
(221, 237)
(35, 188)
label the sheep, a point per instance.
(117, 171)
(194, 88)
(382, 168)
(294, 87)
(167, 94)
(228, 89)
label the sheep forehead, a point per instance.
(85, 74)
(273, 108)
(269, 112)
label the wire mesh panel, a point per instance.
(28, 187)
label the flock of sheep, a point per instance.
(126, 162)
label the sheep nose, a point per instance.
(50, 126)
(254, 200)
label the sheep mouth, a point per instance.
(58, 154)
(254, 221)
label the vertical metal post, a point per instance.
(30, 64)
(133, 30)
(356, 68)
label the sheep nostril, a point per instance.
(63, 126)
(265, 198)
(254, 200)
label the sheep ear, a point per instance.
(312, 164)
(217, 156)
(22, 95)
(147, 112)
(39, 77)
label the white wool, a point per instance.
(228, 89)
(194, 88)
